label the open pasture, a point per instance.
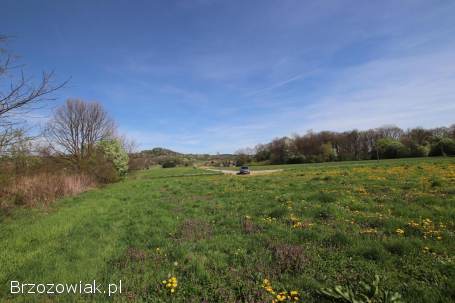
(216, 238)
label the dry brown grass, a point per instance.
(44, 188)
(136, 254)
(248, 227)
(194, 230)
(289, 258)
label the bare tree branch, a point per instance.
(19, 95)
(77, 126)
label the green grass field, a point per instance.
(332, 164)
(220, 236)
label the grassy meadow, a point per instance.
(216, 238)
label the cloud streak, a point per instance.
(409, 91)
(276, 85)
(214, 76)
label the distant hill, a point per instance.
(159, 151)
(162, 156)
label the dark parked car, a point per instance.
(244, 170)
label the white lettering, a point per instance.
(15, 286)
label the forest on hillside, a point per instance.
(385, 142)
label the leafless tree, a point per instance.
(77, 126)
(130, 145)
(389, 131)
(18, 95)
(246, 151)
(10, 137)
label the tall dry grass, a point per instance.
(44, 188)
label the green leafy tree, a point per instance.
(443, 147)
(242, 159)
(279, 151)
(419, 150)
(391, 148)
(328, 153)
(114, 152)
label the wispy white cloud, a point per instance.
(408, 91)
(276, 85)
(368, 66)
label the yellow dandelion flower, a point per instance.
(399, 232)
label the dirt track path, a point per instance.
(253, 172)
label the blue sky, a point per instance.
(214, 76)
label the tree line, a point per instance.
(380, 143)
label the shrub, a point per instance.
(443, 147)
(114, 152)
(169, 163)
(296, 159)
(108, 163)
(419, 150)
(242, 159)
(389, 148)
(139, 162)
(100, 167)
(328, 153)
